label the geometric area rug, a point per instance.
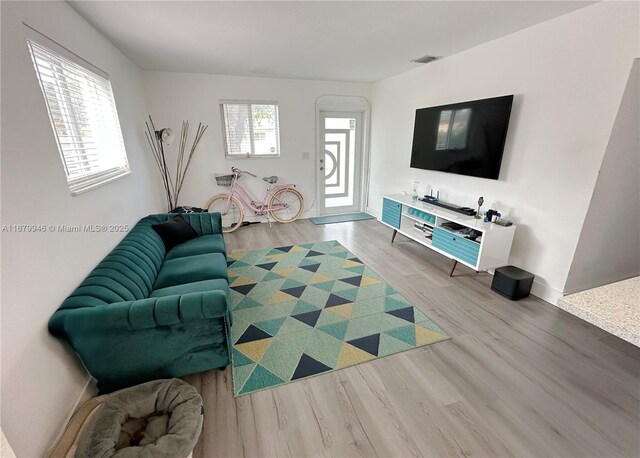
(305, 310)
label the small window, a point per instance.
(250, 128)
(83, 115)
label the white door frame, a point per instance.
(342, 105)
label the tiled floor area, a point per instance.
(614, 308)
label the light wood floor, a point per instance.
(517, 378)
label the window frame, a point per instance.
(96, 178)
(223, 124)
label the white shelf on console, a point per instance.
(407, 229)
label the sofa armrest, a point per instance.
(204, 223)
(126, 343)
(141, 314)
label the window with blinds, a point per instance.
(83, 116)
(250, 128)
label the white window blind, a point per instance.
(250, 128)
(83, 116)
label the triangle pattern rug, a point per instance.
(305, 310)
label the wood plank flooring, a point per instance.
(517, 378)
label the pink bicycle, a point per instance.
(282, 202)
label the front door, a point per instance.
(340, 162)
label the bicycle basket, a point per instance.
(223, 179)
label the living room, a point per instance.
(479, 374)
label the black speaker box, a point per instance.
(512, 282)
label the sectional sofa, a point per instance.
(144, 313)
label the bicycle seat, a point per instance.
(272, 179)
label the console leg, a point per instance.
(393, 237)
(453, 267)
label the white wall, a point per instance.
(568, 76)
(609, 245)
(173, 97)
(41, 380)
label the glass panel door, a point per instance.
(340, 162)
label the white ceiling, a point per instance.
(342, 41)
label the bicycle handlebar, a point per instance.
(237, 170)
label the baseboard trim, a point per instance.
(546, 293)
(373, 212)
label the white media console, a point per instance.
(401, 212)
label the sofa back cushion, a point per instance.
(126, 274)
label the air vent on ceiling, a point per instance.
(425, 59)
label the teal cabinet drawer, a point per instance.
(457, 246)
(391, 212)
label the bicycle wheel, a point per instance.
(234, 214)
(293, 205)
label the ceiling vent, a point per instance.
(425, 59)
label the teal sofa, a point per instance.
(144, 314)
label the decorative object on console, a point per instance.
(480, 202)
(414, 190)
(504, 222)
(157, 140)
(492, 216)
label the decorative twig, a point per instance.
(152, 138)
(199, 132)
(173, 188)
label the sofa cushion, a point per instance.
(209, 266)
(195, 287)
(174, 231)
(203, 244)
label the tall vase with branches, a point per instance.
(173, 185)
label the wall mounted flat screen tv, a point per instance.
(464, 138)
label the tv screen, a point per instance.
(464, 138)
